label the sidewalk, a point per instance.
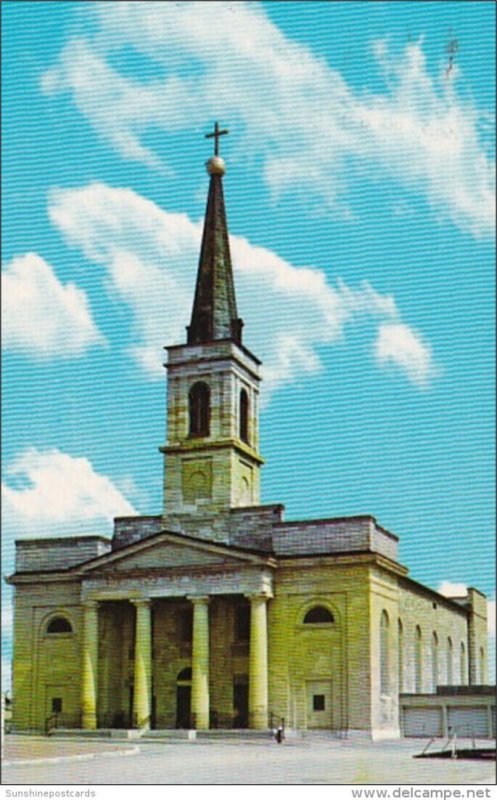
(20, 750)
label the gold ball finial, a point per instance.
(215, 166)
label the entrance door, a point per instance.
(183, 704)
(184, 698)
(319, 704)
(240, 705)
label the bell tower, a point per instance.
(212, 459)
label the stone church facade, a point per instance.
(218, 613)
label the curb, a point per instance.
(24, 762)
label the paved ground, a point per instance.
(35, 748)
(305, 761)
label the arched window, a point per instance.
(185, 674)
(199, 408)
(318, 614)
(418, 660)
(59, 625)
(450, 661)
(244, 409)
(482, 665)
(462, 665)
(401, 655)
(434, 661)
(384, 654)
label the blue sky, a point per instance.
(361, 207)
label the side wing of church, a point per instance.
(219, 613)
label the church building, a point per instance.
(219, 613)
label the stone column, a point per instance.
(142, 695)
(89, 666)
(200, 663)
(258, 692)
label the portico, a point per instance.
(172, 625)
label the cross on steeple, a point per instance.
(215, 135)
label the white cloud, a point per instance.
(491, 611)
(149, 258)
(40, 315)
(405, 348)
(7, 617)
(7, 674)
(311, 126)
(449, 589)
(7, 631)
(491, 619)
(51, 493)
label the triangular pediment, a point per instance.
(170, 551)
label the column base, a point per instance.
(258, 721)
(89, 722)
(201, 722)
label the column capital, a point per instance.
(90, 604)
(252, 596)
(199, 598)
(144, 602)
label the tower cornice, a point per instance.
(195, 446)
(183, 357)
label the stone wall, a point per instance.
(419, 606)
(34, 555)
(253, 527)
(341, 535)
(261, 527)
(45, 665)
(384, 603)
(128, 530)
(303, 656)
(249, 527)
(477, 637)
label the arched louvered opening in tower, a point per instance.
(244, 416)
(199, 399)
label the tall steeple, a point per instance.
(214, 314)
(212, 459)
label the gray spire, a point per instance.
(214, 314)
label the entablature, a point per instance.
(219, 582)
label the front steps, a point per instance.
(213, 734)
(164, 735)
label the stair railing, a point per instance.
(48, 726)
